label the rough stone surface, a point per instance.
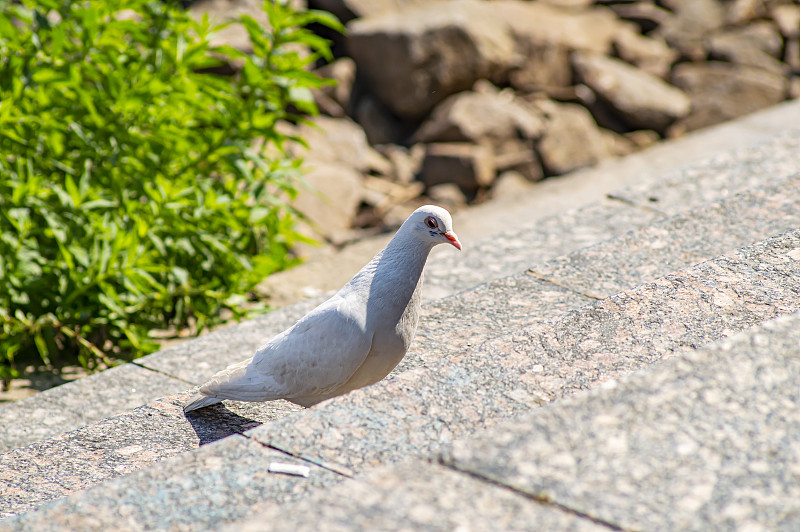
(719, 177)
(442, 47)
(571, 139)
(689, 26)
(470, 166)
(463, 118)
(627, 260)
(721, 91)
(704, 442)
(199, 490)
(650, 55)
(525, 244)
(80, 402)
(640, 99)
(116, 446)
(331, 199)
(418, 411)
(415, 496)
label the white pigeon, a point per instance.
(353, 339)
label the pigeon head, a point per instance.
(433, 225)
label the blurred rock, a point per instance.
(721, 91)
(787, 17)
(794, 87)
(571, 139)
(650, 55)
(470, 166)
(491, 115)
(346, 10)
(743, 11)
(519, 156)
(380, 125)
(331, 201)
(414, 59)
(510, 184)
(336, 140)
(545, 35)
(687, 28)
(645, 15)
(640, 99)
(643, 138)
(405, 162)
(756, 45)
(343, 72)
(448, 195)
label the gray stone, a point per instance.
(470, 166)
(414, 496)
(650, 55)
(638, 98)
(420, 410)
(571, 139)
(331, 200)
(199, 490)
(343, 73)
(512, 251)
(719, 177)
(415, 58)
(644, 254)
(463, 118)
(116, 446)
(722, 91)
(81, 402)
(705, 442)
(757, 45)
(688, 28)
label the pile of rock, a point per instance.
(457, 100)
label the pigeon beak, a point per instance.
(451, 236)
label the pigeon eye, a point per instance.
(430, 221)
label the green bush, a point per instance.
(133, 193)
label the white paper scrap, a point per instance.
(289, 469)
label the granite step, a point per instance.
(111, 448)
(707, 441)
(531, 241)
(421, 410)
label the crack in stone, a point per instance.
(333, 468)
(534, 275)
(542, 499)
(136, 363)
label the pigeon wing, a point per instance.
(314, 357)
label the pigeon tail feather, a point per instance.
(200, 401)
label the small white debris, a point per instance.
(289, 469)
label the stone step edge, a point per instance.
(571, 258)
(316, 460)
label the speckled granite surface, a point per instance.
(215, 484)
(656, 196)
(420, 410)
(708, 441)
(80, 402)
(457, 388)
(521, 246)
(415, 496)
